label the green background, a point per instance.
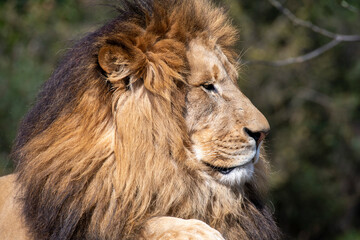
(313, 107)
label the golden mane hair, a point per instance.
(95, 161)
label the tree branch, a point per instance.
(307, 24)
(337, 38)
(349, 7)
(299, 59)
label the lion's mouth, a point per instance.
(221, 170)
(225, 170)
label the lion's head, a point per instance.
(225, 129)
(144, 118)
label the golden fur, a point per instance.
(132, 132)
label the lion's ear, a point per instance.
(109, 57)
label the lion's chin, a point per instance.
(238, 175)
(235, 175)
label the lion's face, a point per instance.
(226, 130)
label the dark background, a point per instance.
(313, 107)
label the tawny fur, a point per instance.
(106, 146)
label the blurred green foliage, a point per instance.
(313, 107)
(34, 34)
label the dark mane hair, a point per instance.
(78, 149)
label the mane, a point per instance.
(93, 158)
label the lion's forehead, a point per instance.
(207, 62)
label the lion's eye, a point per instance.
(209, 87)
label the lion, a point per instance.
(142, 133)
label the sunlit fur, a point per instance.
(105, 148)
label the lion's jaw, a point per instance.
(219, 117)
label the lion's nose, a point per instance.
(257, 136)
